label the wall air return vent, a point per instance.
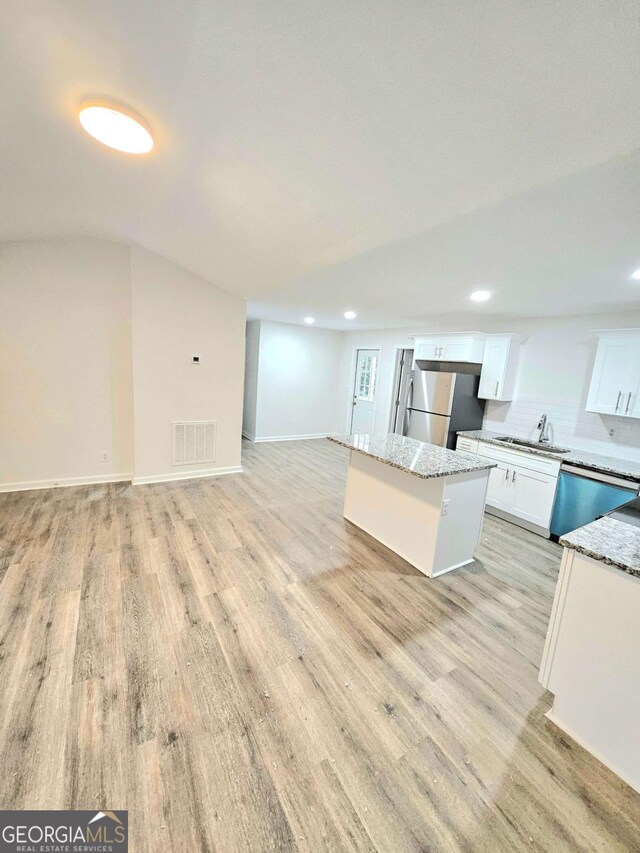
(194, 441)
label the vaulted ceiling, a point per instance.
(383, 156)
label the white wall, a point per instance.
(553, 376)
(96, 340)
(388, 341)
(297, 381)
(176, 315)
(252, 356)
(65, 362)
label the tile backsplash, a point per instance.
(568, 425)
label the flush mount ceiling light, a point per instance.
(309, 320)
(635, 275)
(481, 295)
(349, 315)
(116, 126)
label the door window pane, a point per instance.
(367, 377)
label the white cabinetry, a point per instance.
(499, 367)
(468, 445)
(466, 347)
(615, 381)
(533, 495)
(591, 661)
(522, 487)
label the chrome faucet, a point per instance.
(542, 426)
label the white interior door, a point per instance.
(364, 390)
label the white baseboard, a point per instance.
(248, 435)
(290, 437)
(186, 475)
(633, 783)
(94, 480)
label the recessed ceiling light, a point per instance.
(309, 320)
(635, 275)
(116, 127)
(349, 315)
(481, 295)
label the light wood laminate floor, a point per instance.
(245, 671)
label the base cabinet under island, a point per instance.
(424, 502)
(591, 659)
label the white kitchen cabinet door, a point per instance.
(457, 350)
(632, 402)
(428, 350)
(450, 348)
(494, 366)
(533, 495)
(467, 445)
(499, 494)
(615, 377)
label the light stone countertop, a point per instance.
(613, 542)
(580, 458)
(414, 457)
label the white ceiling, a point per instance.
(383, 156)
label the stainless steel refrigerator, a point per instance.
(443, 399)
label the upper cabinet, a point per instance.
(466, 347)
(615, 381)
(499, 367)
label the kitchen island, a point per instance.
(591, 659)
(422, 501)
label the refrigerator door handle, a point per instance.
(407, 421)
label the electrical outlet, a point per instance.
(105, 455)
(612, 432)
(445, 506)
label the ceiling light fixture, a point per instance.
(349, 315)
(635, 275)
(116, 126)
(309, 320)
(481, 295)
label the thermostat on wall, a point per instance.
(195, 359)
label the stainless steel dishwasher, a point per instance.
(584, 495)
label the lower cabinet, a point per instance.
(498, 492)
(533, 496)
(522, 486)
(468, 445)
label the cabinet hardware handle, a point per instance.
(618, 400)
(506, 476)
(626, 411)
(497, 383)
(513, 477)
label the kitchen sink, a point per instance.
(536, 445)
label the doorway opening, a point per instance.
(401, 386)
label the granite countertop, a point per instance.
(579, 458)
(414, 457)
(615, 543)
